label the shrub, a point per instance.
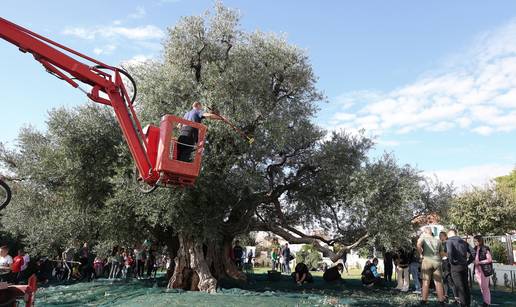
(309, 256)
(498, 251)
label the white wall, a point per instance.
(503, 275)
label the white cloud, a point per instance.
(139, 13)
(441, 126)
(475, 175)
(483, 130)
(344, 116)
(464, 122)
(475, 93)
(136, 60)
(108, 49)
(148, 32)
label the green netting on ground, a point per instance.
(259, 292)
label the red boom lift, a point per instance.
(154, 149)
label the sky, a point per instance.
(434, 82)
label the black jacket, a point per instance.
(403, 258)
(459, 251)
(482, 252)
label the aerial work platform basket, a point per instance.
(163, 151)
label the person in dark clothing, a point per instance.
(84, 254)
(367, 275)
(151, 264)
(238, 254)
(402, 270)
(250, 258)
(189, 135)
(86, 262)
(301, 274)
(387, 265)
(333, 273)
(44, 272)
(287, 256)
(460, 255)
(87, 270)
(370, 274)
(345, 260)
(447, 279)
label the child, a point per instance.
(5, 264)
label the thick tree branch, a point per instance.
(313, 240)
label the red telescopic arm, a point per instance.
(51, 55)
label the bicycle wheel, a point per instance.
(5, 194)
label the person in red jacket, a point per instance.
(16, 267)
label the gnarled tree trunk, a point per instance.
(191, 270)
(222, 266)
(199, 267)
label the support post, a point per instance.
(510, 254)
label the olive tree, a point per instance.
(62, 178)
(292, 176)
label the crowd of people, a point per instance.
(441, 263)
(281, 257)
(13, 270)
(141, 262)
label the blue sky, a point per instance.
(433, 81)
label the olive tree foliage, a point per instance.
(62, 178)
(261, 83)
(353, 200)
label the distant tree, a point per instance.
(486, 210)
(507, 184)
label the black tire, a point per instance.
(5, 194)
